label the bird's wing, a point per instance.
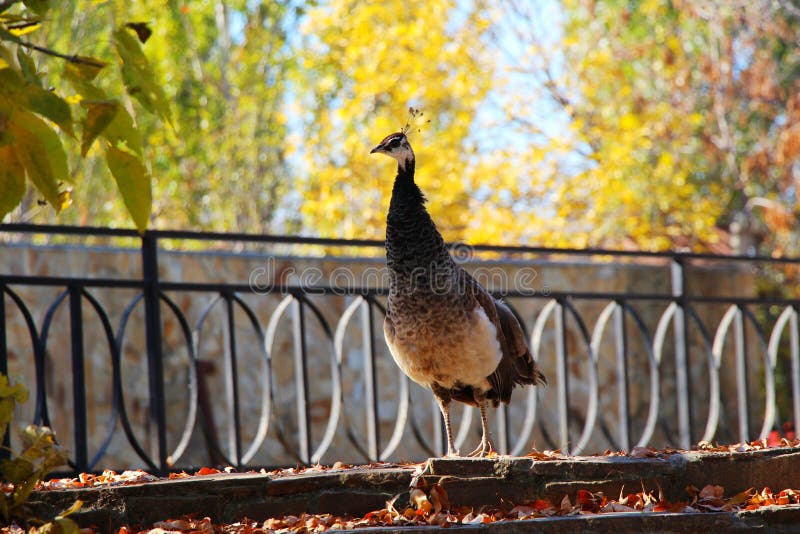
(516, 363)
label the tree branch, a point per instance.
(72, 59)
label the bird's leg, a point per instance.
(486, 447)
(443, 399)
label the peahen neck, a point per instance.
(412, 240)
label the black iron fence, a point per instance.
(674, 363)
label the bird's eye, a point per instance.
(394, 143)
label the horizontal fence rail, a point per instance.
(307, 375)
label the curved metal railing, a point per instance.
(615, 372)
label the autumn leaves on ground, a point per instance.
(430, 506)
(427, 503)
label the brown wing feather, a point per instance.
(516, 364)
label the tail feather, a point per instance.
(516, 366)
(527, 372)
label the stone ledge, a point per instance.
(526, 478)
(226, 498)
(772, 521)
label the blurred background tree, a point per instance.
(31, 150)
(223, 164)
(361, 63)
(648, 124)
(680, 121)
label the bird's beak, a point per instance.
(378, 148)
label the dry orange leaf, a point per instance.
(439, 498)
(711, 491)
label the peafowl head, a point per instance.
(397, 146)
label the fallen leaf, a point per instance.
(439, 498)
(207, 471)
(480, 518)
(518, 512)
(566, 504)
(642, 452)
(738, 499)
(176, 524)
(420, 501)
(616, 507)
(710, 491)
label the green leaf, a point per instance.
(99, 115)
(6, 35)
(23, 489)
(51, 106)
(12, 87)
(71, 510)
(133, 182)
(6, 57)
(7, 414)
(39, 150)
(82, 70)
(138, 75)
(39, 441)
(28, 66)
(39, 7)
(6, 137)
(122, 131)
(55, 456)
(12, 184)
(17, 391)
(16, 470)
(10, 396)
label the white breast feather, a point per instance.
(465, 355)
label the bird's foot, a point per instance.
(484, 449)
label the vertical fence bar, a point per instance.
(78, 379)
(370, 385)
(155, 363)
(3, 338)
(741, 376)
(620, 334)
(232, 383)
(680, 323)
(301, 380)
(562, 373)
(502, 429)
(40, 411)
(794, 350)
(6, 439)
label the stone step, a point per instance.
(226, 498)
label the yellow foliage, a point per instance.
(637, 174)
(369, 61)
(272, 123)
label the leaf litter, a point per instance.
(428, 504)
(431, 507)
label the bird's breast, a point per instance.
(449, 347)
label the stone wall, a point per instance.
(539, 277)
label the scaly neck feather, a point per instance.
(412, 240)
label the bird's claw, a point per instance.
(484, 449)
